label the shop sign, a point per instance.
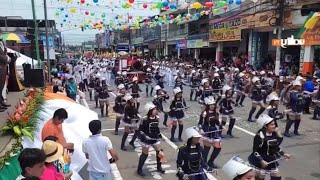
(198, 43)
(311, 34)
(290, 41)
(138, 40)
(301, 59)
(181, 44)
(225, 31)
(264, 19)
(258, 47)
(155, 45)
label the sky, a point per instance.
(72, 34)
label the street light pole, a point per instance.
(279, 24)
(36, 38)
(47, 40)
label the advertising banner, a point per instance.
(225, 31)
(181, 44)
(52, 52)
(258, 47)
(198, 43)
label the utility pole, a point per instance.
(36, 38)
(130, 50)
(279, 26)
(47, 40)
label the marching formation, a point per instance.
(219, 90)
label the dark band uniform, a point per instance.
(149, 131)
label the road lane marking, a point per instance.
(111, 129)
(175, 147)
(244, 130)
(114, 95)
(151, 165)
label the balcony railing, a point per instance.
(178, 32)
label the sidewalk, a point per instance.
(5, 140)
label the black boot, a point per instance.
(253, 109)
(288, 126)
(231, 124)
(151, 91)
(205, 153)
(107, 112)
(173, 130)
(259, 112)
(138, 105)
(159, 168)
(296, 127)
(136, 133)
(102, 110)
(237, 100)
(180, 132)
(191, 94)
(142, 160)
(214, 155)
(165, 120)
(147, 90)
(96, 99)
(123, 142)
(275, 178)
(116, 128)
(242, 99)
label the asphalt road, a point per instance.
(305, 149)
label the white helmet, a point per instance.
(296, 83)
(226, 88)
(148, 69)
(204, 81)
(119, 72)
(222, 68)
(149, 106)
(124, 73)
(235, 167)
(127, 97)
(216, 75)
(157, 87)
(264, 119)
(272, 97)
(193, 71)
(103, 78)
(262, 73)
(177, 90)
(255, 79)
(253, 73)
(98, 75)
(209, 100)
(135, 78)
(121, 86)
(191, 132)
(299, 78)
(241, 74)
(236, 69)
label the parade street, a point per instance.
(303, 165)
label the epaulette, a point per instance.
(182, 146)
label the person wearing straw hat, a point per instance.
(266, 147)
(119, 105)
(150, 137)
(296, 104)
(237, 169)
(54, 152)
(226, 109)
(190, 162)
(160, 97)
(210, 126)
(178, 104)
(130, 121)
(135, 89)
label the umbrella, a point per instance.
(14, 37)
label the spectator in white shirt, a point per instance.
(96, 149)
